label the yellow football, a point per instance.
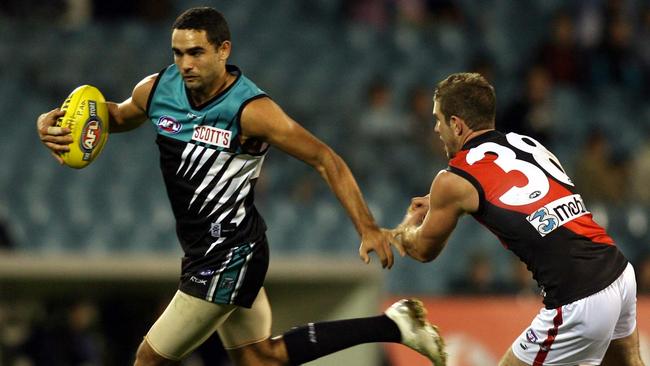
(86, 115)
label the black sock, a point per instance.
(307, 343)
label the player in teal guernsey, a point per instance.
(210, 178)
(214, 127)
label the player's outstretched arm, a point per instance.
(430, 220)
(132, 112)
(124, 116)
(264, 119)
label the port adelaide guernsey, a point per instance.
(208, 174)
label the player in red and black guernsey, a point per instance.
(214, 127)
(519, 191)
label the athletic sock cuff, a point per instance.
(315, 340)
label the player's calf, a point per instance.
(404, 322)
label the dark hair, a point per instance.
(468, 96)
(208, 19)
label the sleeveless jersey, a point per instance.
(208, 174)
(527, 200)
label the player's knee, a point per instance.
(278, 351)
(146, 356)
(270, 352)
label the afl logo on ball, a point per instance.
(92, 132)
(90, 137)
(169, 125)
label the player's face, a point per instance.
(201, 64)
(445, 130)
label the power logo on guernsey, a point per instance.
(212, 135)
(557, 213)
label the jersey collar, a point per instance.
(490, 135)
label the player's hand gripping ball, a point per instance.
(86, 115)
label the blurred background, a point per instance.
(360, 75)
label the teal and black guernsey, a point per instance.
(208, 174)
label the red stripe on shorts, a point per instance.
(546, 345)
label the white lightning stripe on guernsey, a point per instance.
(214, 244)
(215, 279)
(235, 167)
(187, 150)
(195, 154)
(258, 167)
(241, 212)
(242, 274)
(209, 177)
(243, 177)
(204, 158)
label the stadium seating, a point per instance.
(118, 204)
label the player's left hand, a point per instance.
(417, 211)
(378, 241)
(56, 139)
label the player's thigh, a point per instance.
(509, 359)
(626, 323)
(246, 335)
(624, 351)
(624, 347)
(247, 326)
(185, 324)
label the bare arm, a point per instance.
(124, 116)
(264, 119)
(132, 112)
(428, 225)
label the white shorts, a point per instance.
(188, 321)
(580, 332)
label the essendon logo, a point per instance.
(531, 336)
(212, 135)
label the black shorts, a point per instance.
(232, 276)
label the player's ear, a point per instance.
(224, 50)
(457, 125)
